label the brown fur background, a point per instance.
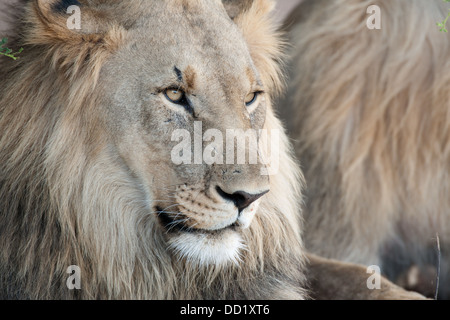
(369, 114)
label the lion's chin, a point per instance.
(203, 249)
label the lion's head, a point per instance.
(105, 131)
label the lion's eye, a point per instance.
(251, 98)
(174, 95)
(178, 96)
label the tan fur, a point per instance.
(85, 154)
(344, 280)
(369, 111)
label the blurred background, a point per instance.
(283, 9)
(4, 15)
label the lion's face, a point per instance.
(187, 77)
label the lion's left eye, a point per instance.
(251, 98)
(174, 95)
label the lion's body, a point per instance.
(369, 111)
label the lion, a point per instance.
(369, 111)
(93, 204)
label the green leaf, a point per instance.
(8, 52)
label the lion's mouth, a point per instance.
(178, 223)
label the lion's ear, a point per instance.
(49, 21)
(65, 21)
(75, 34)
(261, 32)
(236, 7)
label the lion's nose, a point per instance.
(241, 199)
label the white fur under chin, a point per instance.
(246, 217)
(208, 249)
